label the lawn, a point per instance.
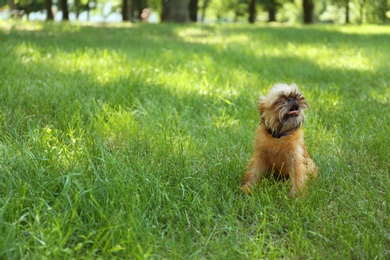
(130, 141)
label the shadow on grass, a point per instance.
(148, 45)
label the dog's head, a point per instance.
(282, 109)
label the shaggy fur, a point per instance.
(279, 145)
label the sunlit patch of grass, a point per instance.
(204, 36)
(131, 141)
(362, 30)
(22, 26)
(328, 58)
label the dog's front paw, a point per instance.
(246, 189)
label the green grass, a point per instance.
(131, 141)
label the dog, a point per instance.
(280, 151)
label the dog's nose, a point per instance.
(291, 100)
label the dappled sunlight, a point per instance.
(28, 53)
(39, 28)
(382, 97)
(128, 135)
(225, 120)
(327, 58)
(364, 30)
(56, 147)
(198, 68)
(119, 127)
(203, 36)
(333, 101)
(101, 66)
(8, 25)
(324, 56)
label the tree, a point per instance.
(28, 6)
(203, 9)
(345, 4)
(376, 11)
(225, 8)
(361, 10)
(193, 9)
(125, 10)
(79, 6)
(308, 8)
(12, 5)
(271, 6)
(252, 11)
(174, 11)
(346, 11)
(65, 10)
(49, 16)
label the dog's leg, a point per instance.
(254, 175)
(298, 180)
(312, 170)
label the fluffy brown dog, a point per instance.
(279, 146)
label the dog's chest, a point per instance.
(280, 157)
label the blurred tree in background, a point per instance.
(377, 10)
(48, 5)
(252, 11)
(132, 9)
(271, 6)
(193, 8)
(175, 11)
(308, 8)
(80, 6)
(64, 9)
(306, 11)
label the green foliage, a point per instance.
(131, 141)
(368, 11)
(376, 11)
(271, 4)
(29, 6)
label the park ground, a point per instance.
(130, 141)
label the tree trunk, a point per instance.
(361, 10)
(383, 10)
(65, 10)
(204, 7)
(125, 10)
(308, 7)
(164, 11)
(12, 5)
(77, 7)
(272, 15)
(136, 9)
(252, 11)
(133, 4)
(13, 8)
(140, 8)
(88, 10)
(50, 16)
(347, 11)
(193, 7)
(174, 11)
